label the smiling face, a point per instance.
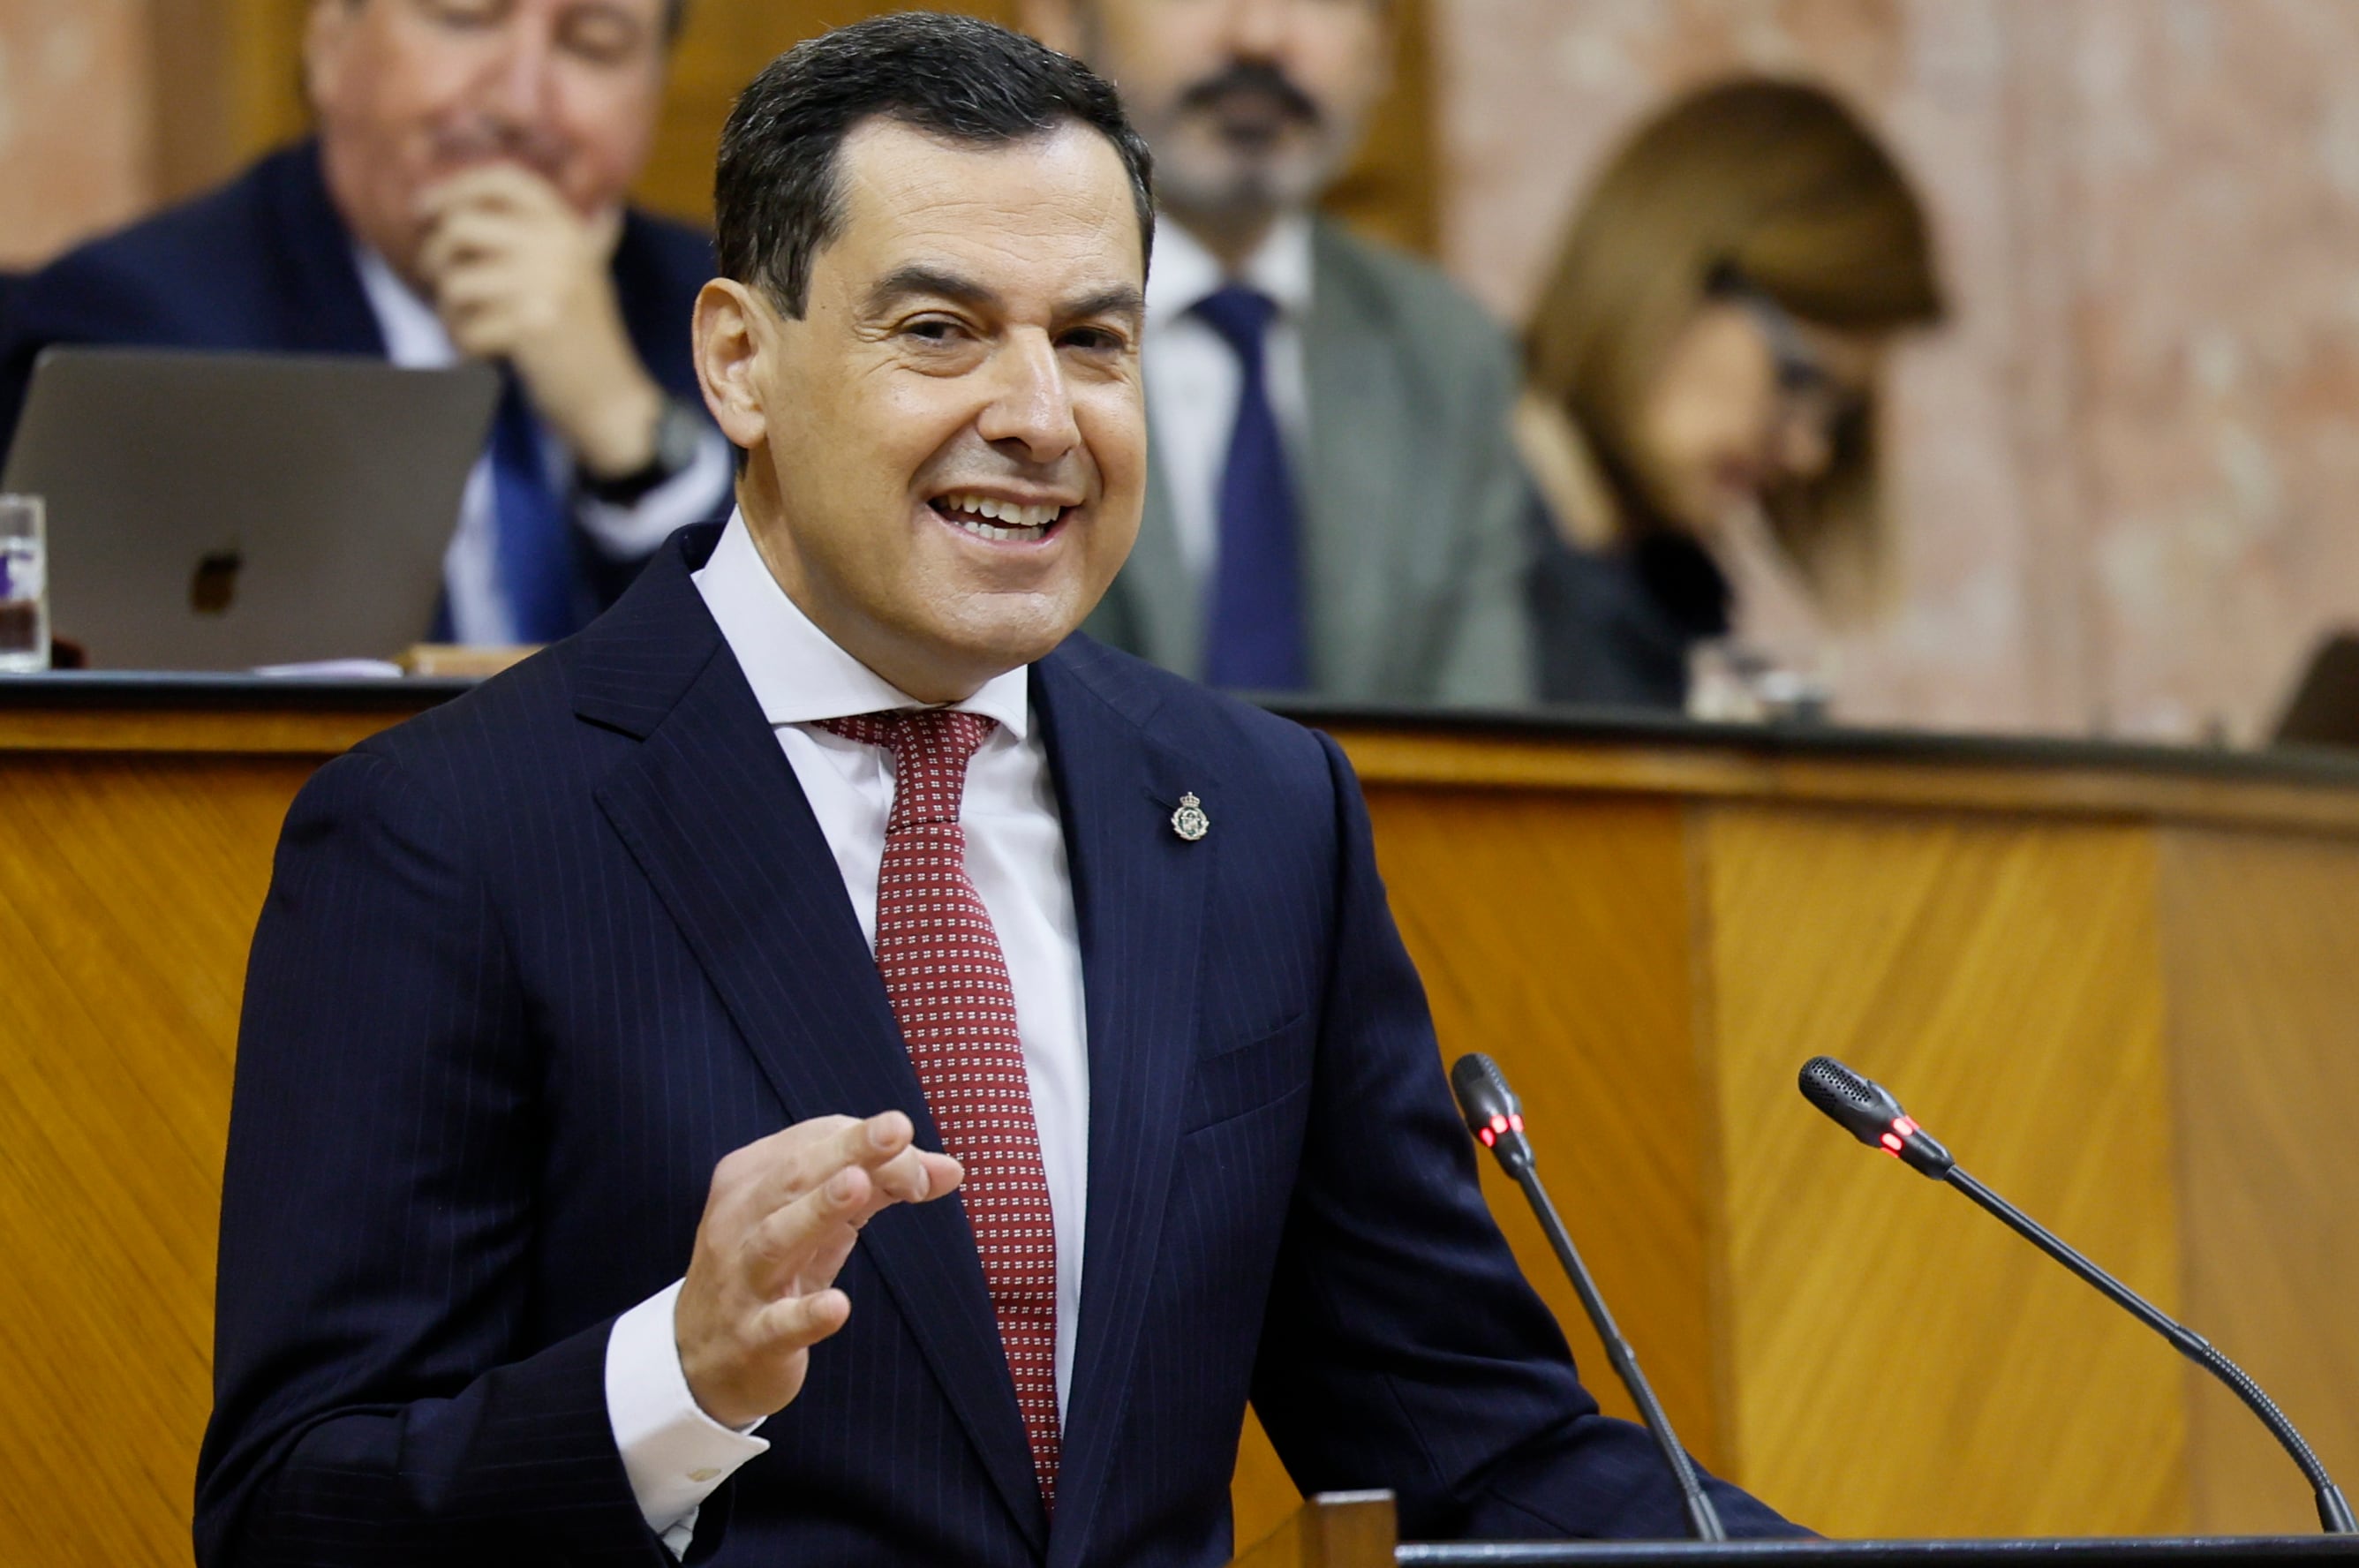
(947, 453)
(408, 92)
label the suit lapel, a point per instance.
(1357, 503)
(711, 811)
(1139, 899)
(324, 309)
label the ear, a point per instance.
(736, 334)
(1057, 23)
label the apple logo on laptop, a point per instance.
(214, 585)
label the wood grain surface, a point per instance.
(1556, 940)
(2107, 783)
(128, 888)
(1898, 1363)
(2261, 938)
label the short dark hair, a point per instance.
(775, 196)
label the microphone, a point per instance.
(1496, 1120)
(1867, 1111)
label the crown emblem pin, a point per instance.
(1189, 821)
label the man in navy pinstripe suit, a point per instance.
(587, 1198)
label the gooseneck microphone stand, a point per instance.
(1496, 1119)
(1868, 1111)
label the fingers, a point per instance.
(793, 1244)
(472, 241)
(797, 1322)
(804, 1155)
(498, 184)
(782, 1219)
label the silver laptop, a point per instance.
(227, 511)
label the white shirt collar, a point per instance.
(798, 674)
(1185, 272)
(414, 335)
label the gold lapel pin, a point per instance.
(1189, 821)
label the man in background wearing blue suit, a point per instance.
(464, 196)
(828, 1066)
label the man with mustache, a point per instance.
(464, 196)
(827, 1066)
(1336, 509)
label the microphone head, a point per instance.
(1858, 1105)
(1482, 1089)
(1867, 1110)
(1492, 1113)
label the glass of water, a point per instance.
(24, 586)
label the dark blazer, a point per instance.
(532, 963)
(1616, 628)
(264, 264)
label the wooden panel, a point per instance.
(2261, 947)
(128, 889)
(1552, 934)
(1879, 771)
(1900, 1363)
(314, 733)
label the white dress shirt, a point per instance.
(1193, 377)
(479, 613)
(674, 1454)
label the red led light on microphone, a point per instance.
(1903, 1128)
(1499, 1126)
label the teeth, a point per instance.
(1021, 521)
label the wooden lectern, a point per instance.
(2117, 982)
(1357, 1529)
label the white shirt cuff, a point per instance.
(691, 496)
(675, 1455)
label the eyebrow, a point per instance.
(903, 283)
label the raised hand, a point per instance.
(518, 274)
(783, 1214)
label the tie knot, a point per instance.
(1241, 314)
(930, 749)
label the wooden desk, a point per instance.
(2115, 980)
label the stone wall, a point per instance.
(2130, 467)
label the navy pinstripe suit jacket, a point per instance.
(532, 963)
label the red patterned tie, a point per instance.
(948, 984)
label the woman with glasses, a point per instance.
(1704, 357)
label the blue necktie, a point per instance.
(534, 545)
(1254, 638)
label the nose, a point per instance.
(1030, 416)
(515, 81)
(1257, 29)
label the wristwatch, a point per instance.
(679, 433)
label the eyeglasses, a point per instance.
(1810, 394)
